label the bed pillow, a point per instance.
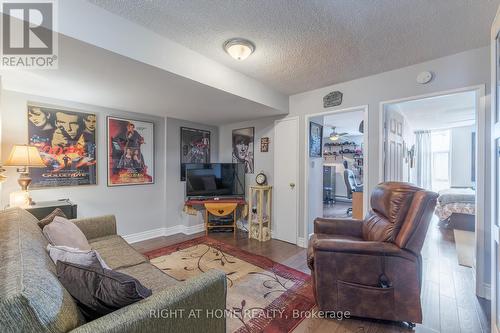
(75, 256)
(62, 232)
(99, 291)
(49, 218)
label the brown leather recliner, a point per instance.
(373, 268)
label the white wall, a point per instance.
(264, 127)
(176, 189)
(137, 208)
(262, 161)
(461, 156)
(461, 70)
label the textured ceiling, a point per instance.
(444, 111)
(91, 75)
(344, 122)
(307, 44)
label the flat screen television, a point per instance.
(215, 180)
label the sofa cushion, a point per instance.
(63, 232)
(75, 256)
(116, 252)
(150, 276)
(31, 297)
(49, 218)
(99, 291)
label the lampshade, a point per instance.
(25, 156)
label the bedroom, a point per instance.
(431, 142)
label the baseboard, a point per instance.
(301, 241)
(192, 229)
(487, 291)
(160, 232)
(484, 289)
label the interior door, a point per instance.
(495, 229)
(393, 146)
(286, 160)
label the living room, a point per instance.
(188, 162)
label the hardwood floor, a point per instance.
(448, 300)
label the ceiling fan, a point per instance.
(334, 136)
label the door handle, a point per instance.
(292, 185)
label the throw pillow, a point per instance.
(49, 218)
(64, 232)
(98, 291)
(75, 256)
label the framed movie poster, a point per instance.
(243, 140)
(195, 147)
(130, 152)
(315, 139)
(66, 140)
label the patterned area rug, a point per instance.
(262, 295)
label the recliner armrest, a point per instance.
(346, 227)
(361, 247)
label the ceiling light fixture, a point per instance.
(239, 48)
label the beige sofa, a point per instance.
(33, 300)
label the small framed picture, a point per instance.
(264, 145)
(315, 139)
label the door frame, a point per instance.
(366, 160)
(495, 134)
(482, 289)
(297, 175)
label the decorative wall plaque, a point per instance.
(332, 99)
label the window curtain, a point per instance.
(423, 152)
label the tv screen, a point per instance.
(216, 180)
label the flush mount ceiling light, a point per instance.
(239, 48)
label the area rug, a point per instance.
(262, 295)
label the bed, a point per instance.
(456, 209)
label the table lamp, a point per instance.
(23, 157)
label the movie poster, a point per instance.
(130, 152)
(195, 147)
(243, 139)
(66, 141)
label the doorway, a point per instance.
(335, 178)
(435, 142)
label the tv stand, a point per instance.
(219, 213)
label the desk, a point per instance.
(357, 205)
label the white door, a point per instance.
(394, 122)
(286, 171)
(495, 229)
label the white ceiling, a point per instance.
(91, 75)
(347, 122)
(303, 45)
(439, 112)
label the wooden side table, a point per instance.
(259, 217)
(220, 210)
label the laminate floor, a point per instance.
(448, 300)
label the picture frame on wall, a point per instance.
(264, 145)
(194, 147)
(243, 147)
(315, 140)
(66, 140)
(131, 159)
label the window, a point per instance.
(440, 142)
